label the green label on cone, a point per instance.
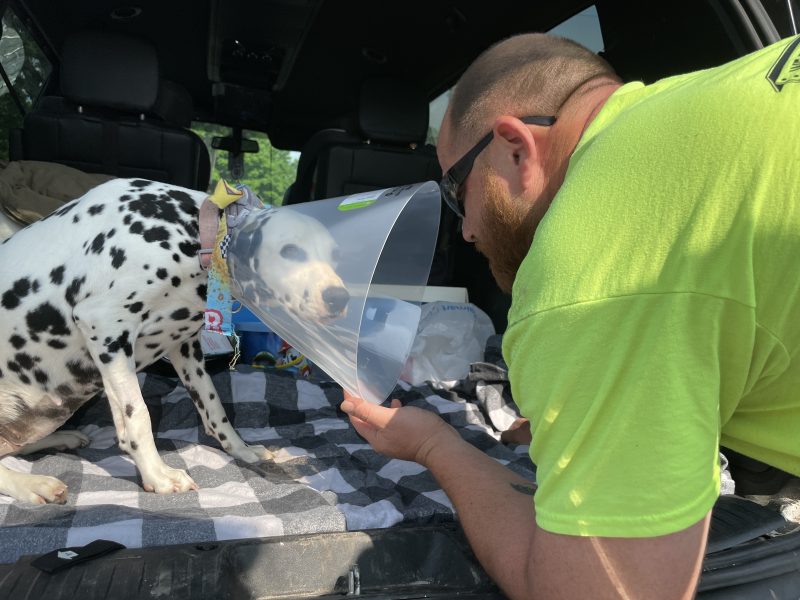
(357, 201)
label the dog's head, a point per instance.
(288, 259)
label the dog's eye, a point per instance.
(292, 252)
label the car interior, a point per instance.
(348, 90)
(354, 92)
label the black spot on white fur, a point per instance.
(57, 275)
(97, 245)
(74, 288)
(180, 315)
(117, 257)
(19, 290)
(47, 318)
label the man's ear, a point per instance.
(519, 151)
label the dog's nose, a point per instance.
(335, 299)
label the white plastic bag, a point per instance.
(450, 337)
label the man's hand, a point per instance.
(407, 433)
(496, 508)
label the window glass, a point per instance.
(27, 69)
(267, 172)
(785, 15)
(583, 27)
(436, 114)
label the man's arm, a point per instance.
(496, 509)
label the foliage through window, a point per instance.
(26, 67)
(267, 172)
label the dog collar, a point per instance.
(235, 203)
(220, 214)
(209, 223)
(224, 196)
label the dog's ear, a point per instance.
(245, 247)
(247, 242)
(257, 223)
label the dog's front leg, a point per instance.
(189, 363)
(126, 399)
(111, 349)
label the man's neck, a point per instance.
(597, 99)
(575, 118)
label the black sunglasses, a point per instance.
(451, 182)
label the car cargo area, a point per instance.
(343, 98)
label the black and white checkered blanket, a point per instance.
(324, 477)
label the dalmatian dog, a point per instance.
(107, 285)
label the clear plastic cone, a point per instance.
(341, 279)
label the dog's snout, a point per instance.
(335, 299)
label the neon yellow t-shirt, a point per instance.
(657, 313)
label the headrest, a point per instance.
(174, 104)
(109, 70)
(392, 111)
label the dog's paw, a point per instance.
(252, 453)
(59, 440)
(39, 489)
(167, 480)
(69, 440)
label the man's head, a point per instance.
(528, 99)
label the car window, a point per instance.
(785, 15)
(26, 67)
(583, 27)
(267, 172)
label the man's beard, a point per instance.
(506, 230)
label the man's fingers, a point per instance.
(368, 413)
(361, 425)
(350, 402)
(361, 409)
(363, 428)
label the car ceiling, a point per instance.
(293, 67)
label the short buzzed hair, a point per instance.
(528, 74)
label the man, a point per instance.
(655, 313)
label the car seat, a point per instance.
(115, 116)
(387, 150)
